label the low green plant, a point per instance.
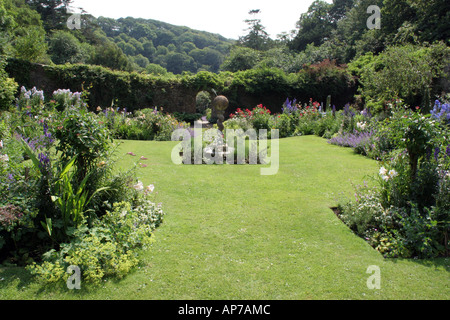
(109, 248)
(420, 234)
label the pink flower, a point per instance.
(143, 165)
(143, 158)
(131, 154)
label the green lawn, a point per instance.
(230, 233)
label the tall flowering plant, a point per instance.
(33, 99)
(64, 98)
(309, 111)
(441, 111)
(290, 107)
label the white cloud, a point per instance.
(222, 17)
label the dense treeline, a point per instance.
(175, 48)
(407, 57)
(37, 31)
(338, 31)
(331, 52)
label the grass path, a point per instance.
(230, 233)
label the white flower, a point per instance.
(150, 188)
(1, 143)
(393, 173)
(4, 158)
(139, 186)
(385, 178)
(361, 125)
(383, 171)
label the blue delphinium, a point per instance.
(441, 111)
(43, 141)
(348, 112)
(289, 107)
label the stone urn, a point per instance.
(219, 105)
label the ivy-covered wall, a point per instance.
(126, 90)
(177, 93)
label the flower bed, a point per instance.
(62, 201)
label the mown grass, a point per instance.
(230, 233)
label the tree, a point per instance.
(22, 32)
(156, 69)
(53, 12)
(241, 58)
(428, 21)
(7, 24)
(141, 61)
(257, 38)
(111, 56)
(409, 72)
(208, 57)
(350, 32)
(178, 62)
(315, 26)
(64, 47)
(149, 49)
(339, 9)
(31, 45)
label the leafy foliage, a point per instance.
(8, 87)
(408, 72)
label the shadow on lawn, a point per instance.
(24, 280)
(9, 275)
(435, 263)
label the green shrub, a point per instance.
(187, 117)
(237, 123)
(109, 248)
(409, 72)
(420, 234)
(285, 124)
(8, 87)
(81, 135)
(145, 124)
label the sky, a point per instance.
(223, 17)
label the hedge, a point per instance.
(177, 93)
